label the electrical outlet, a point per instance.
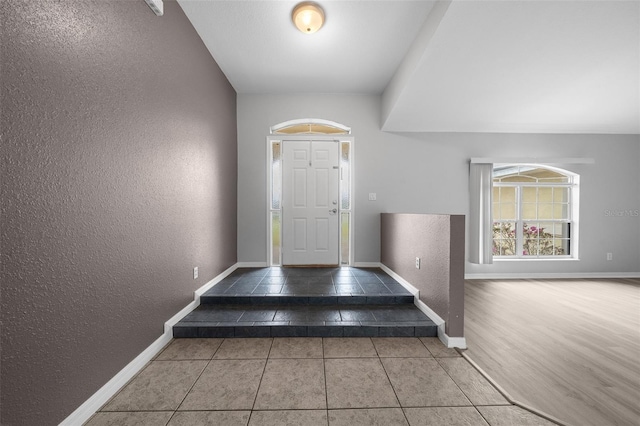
(195, 272)
(609, 256)
(417, 263)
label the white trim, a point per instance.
(432, 315)
(85, 411)
(549, 275)
(530, 160)
(270, 210)
(402, 281)
(156, 6)
(98, 399)
(199, 292)
(252, 264)
(453, 342)
(366, 264)
(562, 258)
(352, 199)
(450, 342)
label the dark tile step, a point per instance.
(337, 320)
(305, 313)
(293, 329)
(306, 299)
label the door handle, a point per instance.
(334, 211)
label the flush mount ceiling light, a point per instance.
(308, 17)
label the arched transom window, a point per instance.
(310, 126)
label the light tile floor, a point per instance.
(310, 381)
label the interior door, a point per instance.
(310, 189)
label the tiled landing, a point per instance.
(306, 302)
(310, 381)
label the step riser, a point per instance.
(248, 331)
(270, 300)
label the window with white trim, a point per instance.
(534, 212)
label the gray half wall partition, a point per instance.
(438, 240)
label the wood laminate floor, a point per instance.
(570, 348)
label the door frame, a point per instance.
(269, 223)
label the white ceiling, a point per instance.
(460, 66)
(260, 51)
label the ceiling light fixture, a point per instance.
(308, 17)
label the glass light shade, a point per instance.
(308, 17)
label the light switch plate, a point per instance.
(372, 196)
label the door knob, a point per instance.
(334, 211)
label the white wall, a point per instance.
(428, 173)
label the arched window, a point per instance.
(310, 126)
(534, 212)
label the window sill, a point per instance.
(536, 259)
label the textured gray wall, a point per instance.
(438, 240)
(119, 171)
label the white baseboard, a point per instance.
(401, 280)
(453, 342)
(252, 264)
(106, 392)
(450, 342)
(98, 399)
(366, 264)
(549, 275)
(199, 292)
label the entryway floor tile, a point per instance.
(309, 381)
(421, 382)
(444, 416)
(226, 385)
(358, 383)
(160, 386)
(292, 384)
(206, 418)
(289, 417)
(367, 417)
(400, 347)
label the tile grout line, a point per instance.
(255, 398)
(458, 386)
(456, 383)
(326, 389)
(194, 383)
(386, 373)
(122, 388)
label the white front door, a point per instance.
(310, 188)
